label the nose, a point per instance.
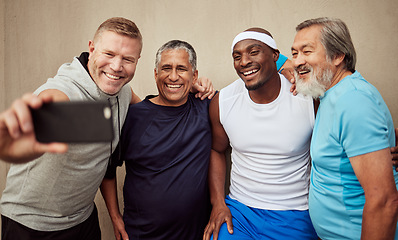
(245, 60)
(173, 76)
(116, 64)
(298, 60)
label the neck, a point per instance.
(338, 76)
(268, 92)
(159, 101)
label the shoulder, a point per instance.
(356, 94)
(67, 80)
(233, 89)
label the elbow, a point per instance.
(388, 202)
(388, 199)
(393, 204)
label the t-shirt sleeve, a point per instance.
(363, 125)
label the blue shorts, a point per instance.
(252, 223)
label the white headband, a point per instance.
(262, 37)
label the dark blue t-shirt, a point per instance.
(166, 151)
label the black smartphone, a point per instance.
(73, 122)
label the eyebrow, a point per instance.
(303, 46)
(129, 57)
(249, 47)
(171, 65)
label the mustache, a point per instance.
(303, 68)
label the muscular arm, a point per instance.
(380, 212)
(109, 193)
(217, 169)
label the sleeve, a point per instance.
(115, 160)
(281, 60)
(363, 124)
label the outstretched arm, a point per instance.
(220, 212)
(18, 143)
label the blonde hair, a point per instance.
(121, 26)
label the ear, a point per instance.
(276, 55)
(91, 47)
(195, 77)
(337, 60)
(155, 73)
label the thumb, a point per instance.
(230, 226)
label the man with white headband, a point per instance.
(270, 155)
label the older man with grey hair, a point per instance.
(353, 191)
(165, 144)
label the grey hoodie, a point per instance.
(56, 191)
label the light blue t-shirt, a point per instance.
(352, 119)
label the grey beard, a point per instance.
(316, 86)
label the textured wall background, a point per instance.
(36, 37)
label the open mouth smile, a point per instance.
(173, 85)
(111, 76)
(247, 73)
(303, 70)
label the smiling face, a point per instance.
(254, 62)
(174, 77)
(112, 61)
(313, 70)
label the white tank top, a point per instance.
(270, 147)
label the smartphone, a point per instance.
(73, 122)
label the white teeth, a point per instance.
(173, 86)
(250, 72)
(112, 76)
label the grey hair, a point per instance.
(177, 44)
(335, 38)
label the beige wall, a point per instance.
(37, 36)
(3, 166)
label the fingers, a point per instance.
(125, 236)
(206, 93)
(205, 88)
(213, 227)
(17, 119)
(52, 148)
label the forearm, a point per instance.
(380, 213)
(109, 193)
(379, 219)
(217, 170)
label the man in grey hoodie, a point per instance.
(52, 195)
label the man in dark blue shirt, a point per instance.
(165, 143)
